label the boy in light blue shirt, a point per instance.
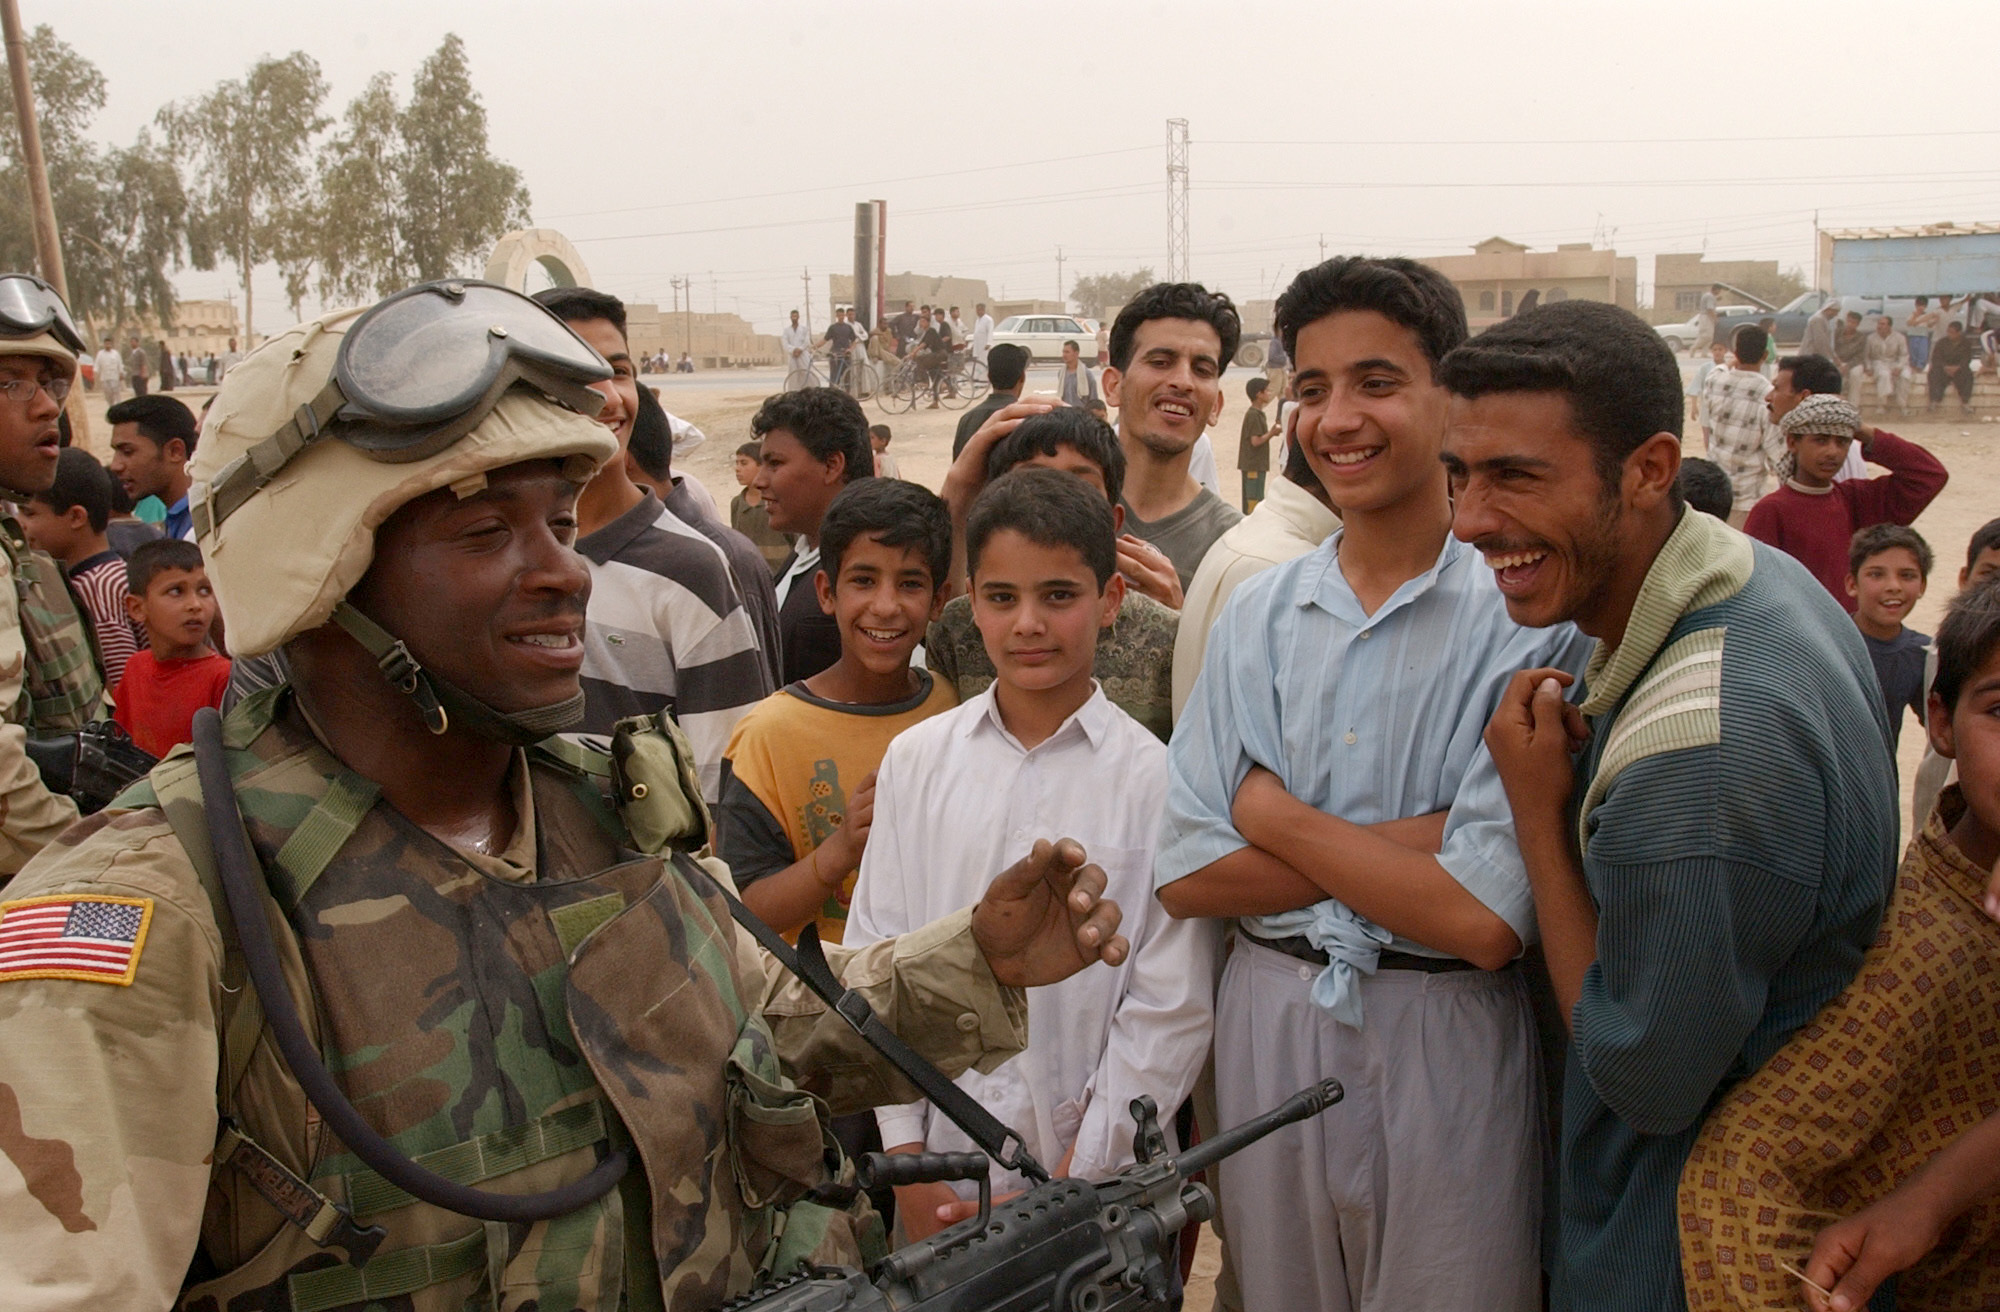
(1330, 789)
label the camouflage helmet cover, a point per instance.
(283, 560)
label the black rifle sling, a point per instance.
(808, 962)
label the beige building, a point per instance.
(199, 328)
(1499, 273)
(923, 288)
(716, 341)
(1680, 279)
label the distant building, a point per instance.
(923, 288)
(1499, 273)
(1680, 279)
(199, 327)
(715, 341)
(1914, 261)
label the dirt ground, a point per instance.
(721, 404)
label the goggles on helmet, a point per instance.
(30, 307)
(418, 372)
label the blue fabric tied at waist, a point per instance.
(1352, 945)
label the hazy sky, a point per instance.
(728, 141)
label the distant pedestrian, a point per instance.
(1103, 344)
(904, 326)
(230, 359)
(982, 334)
(167, 374)
(1704, 331)
(137, 367)
(797, 344)
(1253, 450)
(1076, 382)
(1919, 328)
(1850, 352)
(1819, 331)
(1951, 367)
(110, 373)
(1886, 357)
(1741, 438)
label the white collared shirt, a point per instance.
(957, 800)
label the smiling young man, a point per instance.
(1169, 346)
(667, 628)
(1709, 872)
(1328, 789)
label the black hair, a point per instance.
(1072, 346)
(1402, 291)
(652, 442)
(1256, 386)
(1704, 486)
(1812, 373)
(1066, 425)
(750, 450)
(1966, 640)
(1006, 366)
(896, 512)
(882, 431)
(160, 419)
(1175, 300)
(121, 500)
(80, 481)
(154, 558)
(1050, 509)
(1620, 378)
(1986, 538)
(826, 421)
(578, 304)
(1878, 538)
(1750, 342)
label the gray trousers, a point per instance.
(1423, 1188)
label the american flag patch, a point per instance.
(97, 939)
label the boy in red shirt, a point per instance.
(1812, 518)
(179, 673)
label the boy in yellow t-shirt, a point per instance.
(798, 779)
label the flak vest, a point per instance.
(62, 688)
(503, 1034)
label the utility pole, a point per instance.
(1177, 200)
(806, 279)
(1060, 298)
(1322, 248)
(711, 292)
(48, 243)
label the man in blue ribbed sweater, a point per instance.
(1711, 863)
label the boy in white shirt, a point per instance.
(1041, 754)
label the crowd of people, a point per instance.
(1534, 780)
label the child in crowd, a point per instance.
(1868, 1144)
(885, 464)
(747, 514)
(1042, 754)
(813, 443)
(1135, 656)
(1704, 486)
(798, 781)
(1735, 424)
(1811, 517)
(1982, 562)
(68, 522)
(1253, 447)
(178, 673)
(1888, 568)
(1718, 358)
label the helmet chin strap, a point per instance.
(443, 703)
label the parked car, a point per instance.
(1680, 336)
(1791, 329)
(1043, 335)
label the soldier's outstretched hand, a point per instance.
(1046, 917)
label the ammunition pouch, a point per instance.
(92, 765)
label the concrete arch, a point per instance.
(514, 254)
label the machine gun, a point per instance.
(1063, 1246)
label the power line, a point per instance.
(1617, 141)
(850, 186)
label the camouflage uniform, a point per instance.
(533, 1005)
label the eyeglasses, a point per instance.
(23, 389)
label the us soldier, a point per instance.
(49, 681)
(509, 993)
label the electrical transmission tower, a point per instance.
(1177, 200)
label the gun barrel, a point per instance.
(1304, 1103)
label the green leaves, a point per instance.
(254, 172)
(1096, 293)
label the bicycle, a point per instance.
(913, 379)
(803, 376)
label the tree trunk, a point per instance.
(249, 334)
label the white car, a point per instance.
(1680, 336)
(1043, 335)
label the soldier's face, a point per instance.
(487, 589)
(29, 439)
